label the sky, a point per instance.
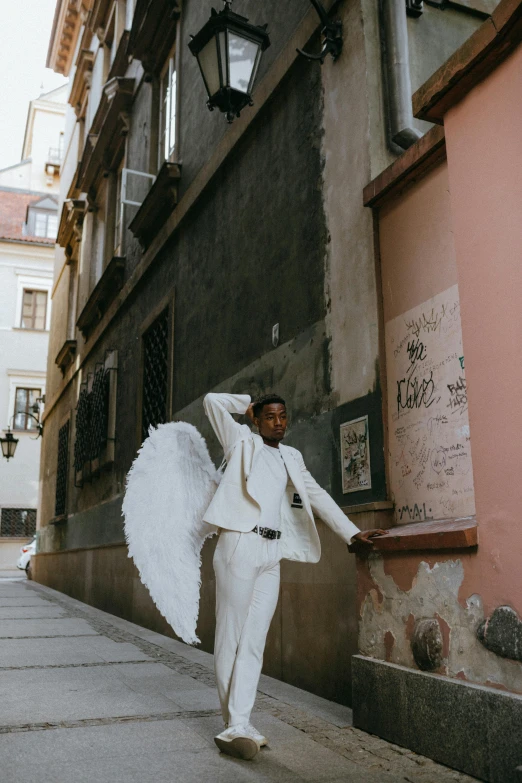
(26, 27)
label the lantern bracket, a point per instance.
(332, 30)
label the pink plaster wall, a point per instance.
(484, 145)
(416, 244)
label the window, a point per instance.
(62, 470)
(95, 423)
(34, 309)
(155, 374)
(99, 250)
(42, 218)
(119, 213)
(45, 225)
(25, 400)
(18, 522)
(168, 97)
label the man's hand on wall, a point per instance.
(250, 412)
(364, 538)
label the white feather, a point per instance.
(169, 488)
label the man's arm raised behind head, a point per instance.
(219, 408)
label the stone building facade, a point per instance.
(185, 241)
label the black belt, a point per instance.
(267, 532)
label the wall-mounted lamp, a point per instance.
(228, 50)
(9, 442)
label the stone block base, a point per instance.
(469, 727)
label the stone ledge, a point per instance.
(437, 534)
(411, 166)
(362, 508)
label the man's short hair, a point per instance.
(266, 399)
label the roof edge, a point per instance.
(481, 54)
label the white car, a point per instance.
(25, 554)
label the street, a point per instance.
(88, 696)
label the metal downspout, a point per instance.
(398, 80)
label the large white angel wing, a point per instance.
(169, 488)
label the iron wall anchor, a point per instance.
(333, 36)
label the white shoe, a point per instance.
(255, 734)
(237, 741)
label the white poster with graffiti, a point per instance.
(430, 458)
(355, 455)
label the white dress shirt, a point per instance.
(272, 480)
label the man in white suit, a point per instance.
(264, 507)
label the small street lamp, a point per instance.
(9, 444)
(228, 49)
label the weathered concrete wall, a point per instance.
(399, 591)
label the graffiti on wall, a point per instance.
(429, 442)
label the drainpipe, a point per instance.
(129, 13)
(397, 66)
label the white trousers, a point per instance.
(247, 588)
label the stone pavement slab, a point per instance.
(24, 628)
(30, 612)
(66, 650)
(24, 599)
(108, 741)
(69, 694)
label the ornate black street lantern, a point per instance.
(9, 444)
(228, 49)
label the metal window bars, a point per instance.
(155, 373)
(94, 422)
(62, 470)
(17, 522)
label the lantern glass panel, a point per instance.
(242, 58)
(222, 45)
(208, 62)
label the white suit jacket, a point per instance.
(235, 505)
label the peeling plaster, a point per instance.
(434, 594)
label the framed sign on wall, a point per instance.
(355, 455)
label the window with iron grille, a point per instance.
(18, 522)
(155, 374)
(95, 421)
(99, 412)
(92, 412)
(62, 470)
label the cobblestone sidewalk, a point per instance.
(88, 696)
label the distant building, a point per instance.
(28, 227)
(42, 150)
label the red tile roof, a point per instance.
(13, 211)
